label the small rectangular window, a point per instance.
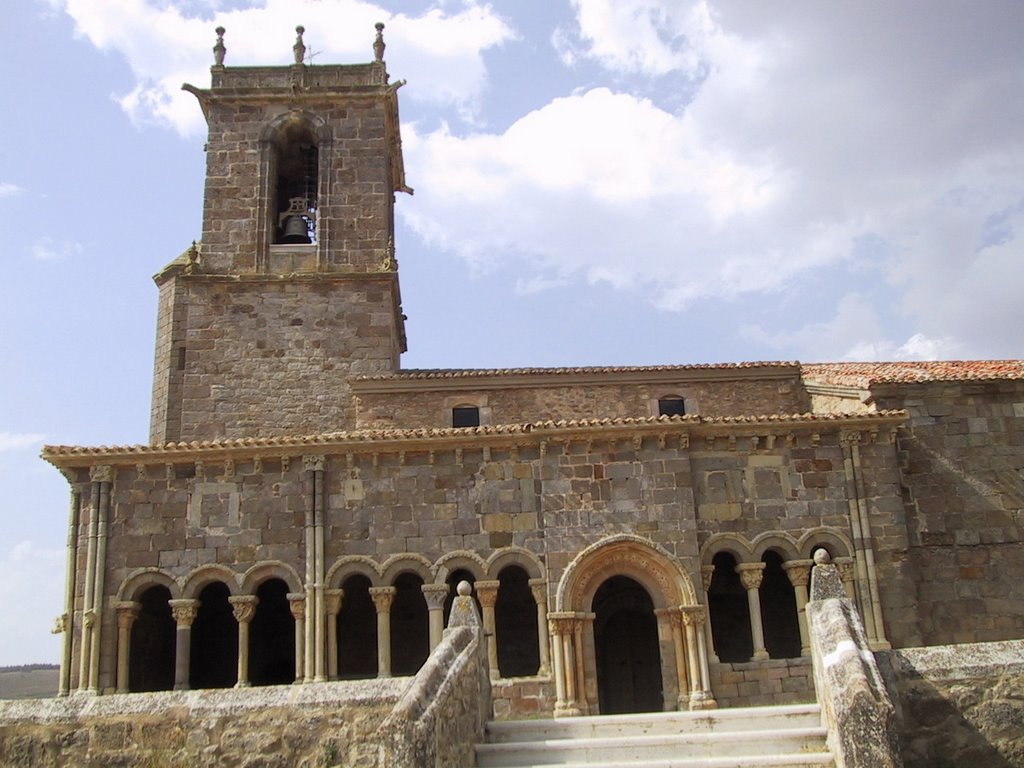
(465, 416)
(671, 406)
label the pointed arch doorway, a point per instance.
(626, 648)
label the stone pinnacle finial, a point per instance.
(300, 47)
(219, 50)
(378, 43)
(822, 557)
(464, 589)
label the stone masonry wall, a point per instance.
(958, 705)
(763, 683)
(309, 726)
(422, 407)
(270, 357)
(962, 457)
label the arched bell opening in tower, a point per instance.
(297, 163)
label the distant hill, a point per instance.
(29, 681)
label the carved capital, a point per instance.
(184, 611)
(539, 588)
(127, 612)
(845, 567)
(60, 624)
(382, 598)
(849, 436)
(750, 574)
(435, 595)
(798, 571)
(561, 623)
(333, 598)
(314, 462)
(297, 604)
(706, 572)
(693, 615)
(103, 473)
(244, 607)
(487, 592)
(89, 619)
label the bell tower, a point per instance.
(293, 288)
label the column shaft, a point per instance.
(487, 594)
(750, 575)
(382, 598)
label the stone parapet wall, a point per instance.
(958, 704)
(762, 683)
(308, 726)
(523, 698)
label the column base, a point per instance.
(241, 684)
(702, 700)
(682, 702)
(760, 656)
(567, 711)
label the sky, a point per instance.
(597, 182)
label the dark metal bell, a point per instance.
(295, 230)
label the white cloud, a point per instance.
(7, 189)
(48, 249)
(169, 43)
(13, 441)
(31, 594)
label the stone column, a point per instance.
(487, 594)
(540, 597)
(382, 598)
(562, 629)
(701, 696)
(707, 572)
(750, 576)
(127, 612)
(244, 608)
(435, 595)
(184, 613)
(675, 618)
(799, 573)
(583, 620)
(848, 573)
(333, 599)
(297, 606)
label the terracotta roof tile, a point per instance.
(469, 373)
(864, 375)
(57, 452)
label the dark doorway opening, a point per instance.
(626, 645)
(357, 630)
(272, 636)
(515, 619)
(410, 629)
(214, 651)
(730, 613)
(151, 658)
(778, 610)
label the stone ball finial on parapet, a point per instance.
(378, 43)
(464, 613)
(826, 583)
(218, 49)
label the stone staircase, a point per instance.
(788, 736)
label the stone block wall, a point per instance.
(958, 705)
(310, 726)
(763, 683)
(413, 402)
(962, 462)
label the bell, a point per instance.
(295, 230)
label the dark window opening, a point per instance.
(298, 162)
(672, 405)
(515, 619)
(778, 610)
(730, 613)
(465, 416)
(151, 659)
(410, 629)
(214, 651)
(181, 358)
(357, 630)
(272, 636)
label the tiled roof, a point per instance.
(864, 375)
(57, 452)
(469, 373)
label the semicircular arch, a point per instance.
(270, 569)
(207, 574)
(137, 582)
(407, 562)
(507, 556)
(462, 559)
(733, 543)
(779, 541)
(353, 565)
(836, 542)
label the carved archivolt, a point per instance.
(271, 569)
(624, 555)
(507, 556)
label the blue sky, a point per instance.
(597, 182)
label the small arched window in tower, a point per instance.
(671, 405)
(297, 163)
(465, 416)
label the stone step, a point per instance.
(782, 736)
(654, 723)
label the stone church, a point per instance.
(638, 538)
